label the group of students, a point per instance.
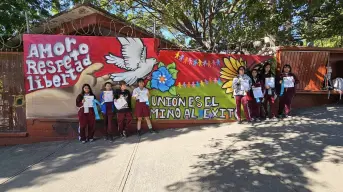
(256, 109)
(243, 95)
(108, 109)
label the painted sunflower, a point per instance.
(230, 71)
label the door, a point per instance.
(12, 93)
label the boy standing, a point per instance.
(125, 113)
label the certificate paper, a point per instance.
(143, 96)
(288, 82)
(88, 101)
(257, 91)
(245, 85)
(120, 103)
(108, 96)
(270, 82)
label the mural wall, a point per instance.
(183, 85)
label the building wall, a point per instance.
(336, 62)
(199, 82)
(39, 129)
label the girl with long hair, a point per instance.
(241, 86)
(287, 81)
(86, 116)
(255, 104)
(269, 93)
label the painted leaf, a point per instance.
(173, 72)
(148, 85)
(172, 90)
(171, 66)
(160, 64)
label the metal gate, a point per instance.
(12, 92)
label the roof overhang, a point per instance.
(74, 19)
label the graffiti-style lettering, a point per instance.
(55, 65)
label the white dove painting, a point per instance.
(134, 60)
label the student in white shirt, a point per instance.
(241, 86)
(141, 94)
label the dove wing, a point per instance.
(111, 59)
(133, 52)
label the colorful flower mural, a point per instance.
(163, 79)
(183, 85)
(229, 71)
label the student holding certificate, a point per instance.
(257, 93)
(241, 85)
(86, 113)
(141, 95)
(107, 109)
(124, 111)
(287, 81)
(268, 79)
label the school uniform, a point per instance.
(107, 109)
(86, 118)
(255, 107)
(288, 95)
(269, 97)
(125, 113)
(142, 108)
(241, 96)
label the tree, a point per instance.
(213, 24)
(321, 21)
(12, 14)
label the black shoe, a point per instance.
(139, 132)
(106, 138)
(111, 138)
(239, 122)
(152, 131)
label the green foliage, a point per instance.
(160, 64)
(173, 72)
(12, 14)
(148, 85)
(322, 23)
(211, 25)
(171, 66)
(172, 90)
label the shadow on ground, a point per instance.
(270, 156)
(43, 161)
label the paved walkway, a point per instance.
(303, 154)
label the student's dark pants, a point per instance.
(108, 117)
(86, 120)
(286, 101)
(269, 99)
(242, 100)
(124, 120)
(255, 108)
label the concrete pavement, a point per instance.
(300, 154)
